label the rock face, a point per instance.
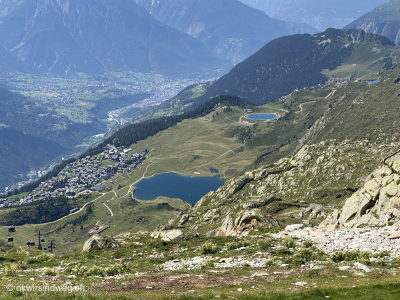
(244, 223)
(169, 235)
(99, 242)
(293, 227)
(384, 20)
(377, 202)
(314, 211)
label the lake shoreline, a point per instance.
(175, 185)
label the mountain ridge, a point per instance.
(227, 27)
(318, 14)
(68, 36)
(305, 57)
(308, 62)
(384, 20)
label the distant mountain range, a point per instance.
(69, 36)
(384, 20)
(227, 27)
(171, 37)
(294, 62)
(318, 14)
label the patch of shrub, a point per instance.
(266, 243)
(11, 269)
(161, 245)
(39, 259)
(82, 270)
(395, 262)
(237, 244)
(115, 269)
(283, 252)
(208, 264)
(307, 244)
(305, 255)
(382, 254)
(209, 248)
(76, 269)
(289, 242)
(270, 263)
(50, 272)
(351, 255)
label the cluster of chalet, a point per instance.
(83, 174)
(318, 86)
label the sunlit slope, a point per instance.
(294, 62)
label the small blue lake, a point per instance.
(372, 81)
(262, 117)
(172, 185)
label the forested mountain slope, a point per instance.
(293, 62)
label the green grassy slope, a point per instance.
(72, 231)
(362, 111)
(348, 112)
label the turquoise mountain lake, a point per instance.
(172, 185)
(261, 117)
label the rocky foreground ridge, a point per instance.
(369, 219)
(377, 203)
(303, 188)
(373, 240)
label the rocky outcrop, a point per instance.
(293, 227)
(244, 223)
(100, 242)
(229, 188)
(313, 211)
(168, 235)
(376, 203)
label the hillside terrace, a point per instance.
(81, 175)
